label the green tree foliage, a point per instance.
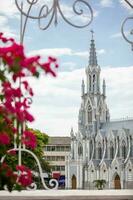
(99, 184)
(27, 159)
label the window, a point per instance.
(111, 150)
(58, 168)
(48, 148)
(52, 148)
(91, 148)
(62, 148)
(80, 150)
(89, 113)
(67, 148)
(89, 82)
(62, 168)
(99, 151)
(123, 149)
(131, 147)
(93, 82)
(57, 148)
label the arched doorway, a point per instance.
(117, 182)
(74, 182)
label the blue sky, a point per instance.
(57, 101)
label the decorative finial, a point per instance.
(92, 32)
(72, 132)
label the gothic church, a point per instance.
(101, 149)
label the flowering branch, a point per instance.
(14, 106)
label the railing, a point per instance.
(121, 119)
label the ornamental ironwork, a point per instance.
(127, 20)
(26, 11)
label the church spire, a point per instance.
(93, 56)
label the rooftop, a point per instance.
(59, 141)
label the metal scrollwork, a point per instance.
(123, 31)
(51, 12)
(124, 34)
(45, 12)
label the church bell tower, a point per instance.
(93, 111)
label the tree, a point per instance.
(42, 140)
(99, 184)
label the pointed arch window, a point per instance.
(91, 148)
(94, 79)
(99, 151)
(89, 113)
(123, 149)
(111, 150)
(131, 147)
(80, 149)
(90, 82)
(100, 110)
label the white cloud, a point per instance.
(8, 8)
(68, 13)
(69, 65)
(119, 35)
(57, 101)
(106, 3)
(63, 52)
(5, 28)
(101, 51)
(116, 35)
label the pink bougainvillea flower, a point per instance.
(29, 139)
(25, 177)
(17, 92)
(26, 85)
(4, 39)
(4, 138)
(28, 116)
(52, 59)
(21, 168)
(47, 68)
(15, 95)
(25, 180)
(17, 75)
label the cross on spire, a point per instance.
(92, 32)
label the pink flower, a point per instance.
(21, 168)
(26, 85)
(52, 59)
(18, 75)
(47, 68)
(25, 180)
(4, 138)
(17, 92)
(28, 116)
(25, 177)
(29, 139)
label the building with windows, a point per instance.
(101, 149)
(55, 153)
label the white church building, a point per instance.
(101, 149)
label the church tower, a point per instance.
(101, 149)
(93, 111)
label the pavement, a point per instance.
(68, 195)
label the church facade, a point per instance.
(101, 149)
